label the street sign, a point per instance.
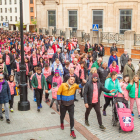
(3, 24)
(95, 27)
(6, 24)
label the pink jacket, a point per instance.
(54, 92)
(114, 69)
(58, 80)
(125, 91)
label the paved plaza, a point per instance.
(31, 125)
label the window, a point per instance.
(31, 9)
(10, 18)
(5, 10)
(5, 2)
(15, 2)
(10, 2)
(0, 2)
(1, 18)
(73, 20)
(0, 10)
(31, 1)
(5, 18)
(125, 20)
(10, 10)
(15, 9)
(52, 18)
(15, 18)
(98, 18)
(32, 18)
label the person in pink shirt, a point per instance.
(34, 60)
(76, 66)
(27, 49)
(92, 98)
(82, 75)
(57, 78)
(29, 55)
(12, 85)
(46, 70)
(50, 53)
(54, 90)
(114, 67)
(43, 48)
(123, 85)
(39, 82)
(89, 64)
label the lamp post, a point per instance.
(23, 104)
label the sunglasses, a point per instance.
(1, 79)
(1, 68)
(95, 77)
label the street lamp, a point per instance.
(23, 104)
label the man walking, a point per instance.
(5, 96)
(65, 97)
(92, 98)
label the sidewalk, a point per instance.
(39, 126)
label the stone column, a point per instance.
(128, 41)
(79, 35)
(50, 30)
(27, 28)
(12, 27)
(43, 30)
(57, 32)
(68, 32)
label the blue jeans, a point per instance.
(88, 72)
(9, 69)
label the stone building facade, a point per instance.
(111, 15)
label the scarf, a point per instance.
(1, 85)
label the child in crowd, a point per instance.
(89, 64)
(54, 90)
(57, 78)
(12, 85)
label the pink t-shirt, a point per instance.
(27, 49)
(27, 69)
(47, 72)
(39, 81)
(95, 93)
(18, 69)
(7, 60)
(82, 73)
(11, 86)
(90, 64)
(136, 90)
(34, 61)
(54, 92)
(77, 69)
(50, 53)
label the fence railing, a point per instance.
(109, 37)
(136, 39)
(85, 37)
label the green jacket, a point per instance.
(95, 64)
(131, 89)
(109, 84)
(34, 82)
(5, 68)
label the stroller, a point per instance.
(122, 114)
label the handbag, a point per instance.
(49, 79)
(16, 89)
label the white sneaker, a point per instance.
(82, 98)
(12, 110)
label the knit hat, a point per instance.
(94, 75)
(119, 76)
(54, 84)
(56, 71)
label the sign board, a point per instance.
(3, 24)
(6, 24)
(95, 27)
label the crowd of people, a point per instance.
(56, 65)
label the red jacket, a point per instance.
(54, 48)
(70, 47)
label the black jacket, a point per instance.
(101, 52)
(56, 56)
(77, 81)
(66, 71)
(88, 91)
(11, 58)
(86, 48)
(113, 49)
(124, 59)
(103, 73)
(39, 65)
(31, 59)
